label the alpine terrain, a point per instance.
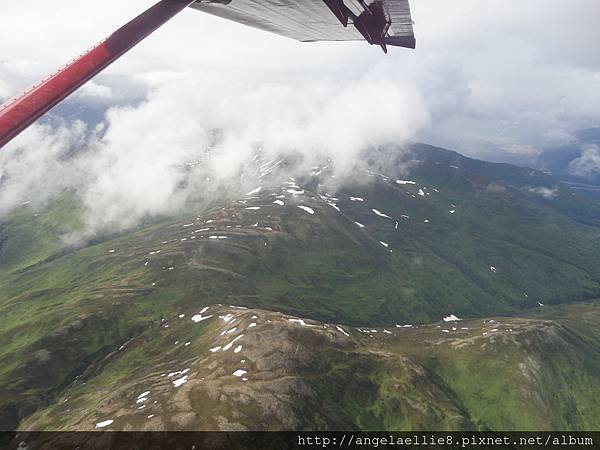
(431, 292)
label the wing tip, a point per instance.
(402, 41)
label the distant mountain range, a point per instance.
(576, 163)
(313, 303)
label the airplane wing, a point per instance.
(379, 22)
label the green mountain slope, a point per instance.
(237, 369)
(447, 235)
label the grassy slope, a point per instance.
(66, 309)
(539, 375)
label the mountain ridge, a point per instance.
(436, 234)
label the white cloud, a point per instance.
(588, 163)
(94, 91)
(36, 169)
(487, 78)
(137, 167)
(547, 193)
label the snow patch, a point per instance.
(255, 191)
(301, 322)
(451, 318)
(199, 318)
(228, 346)
(307, 209)
(227, 318)
(179, 372)
(380, 214)
(225, 332)
(341, 330)
(180, 381)
(104, 423)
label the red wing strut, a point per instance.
(20, 112)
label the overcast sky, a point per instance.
(489, 78)
(507, 75)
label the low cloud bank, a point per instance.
(154, 158)
(588, 163)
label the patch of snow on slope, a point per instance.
(405, 182)
(199, 318)
(451, 318)
(104, 423)
(380, 214)
(254, 191)
(307, 209)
